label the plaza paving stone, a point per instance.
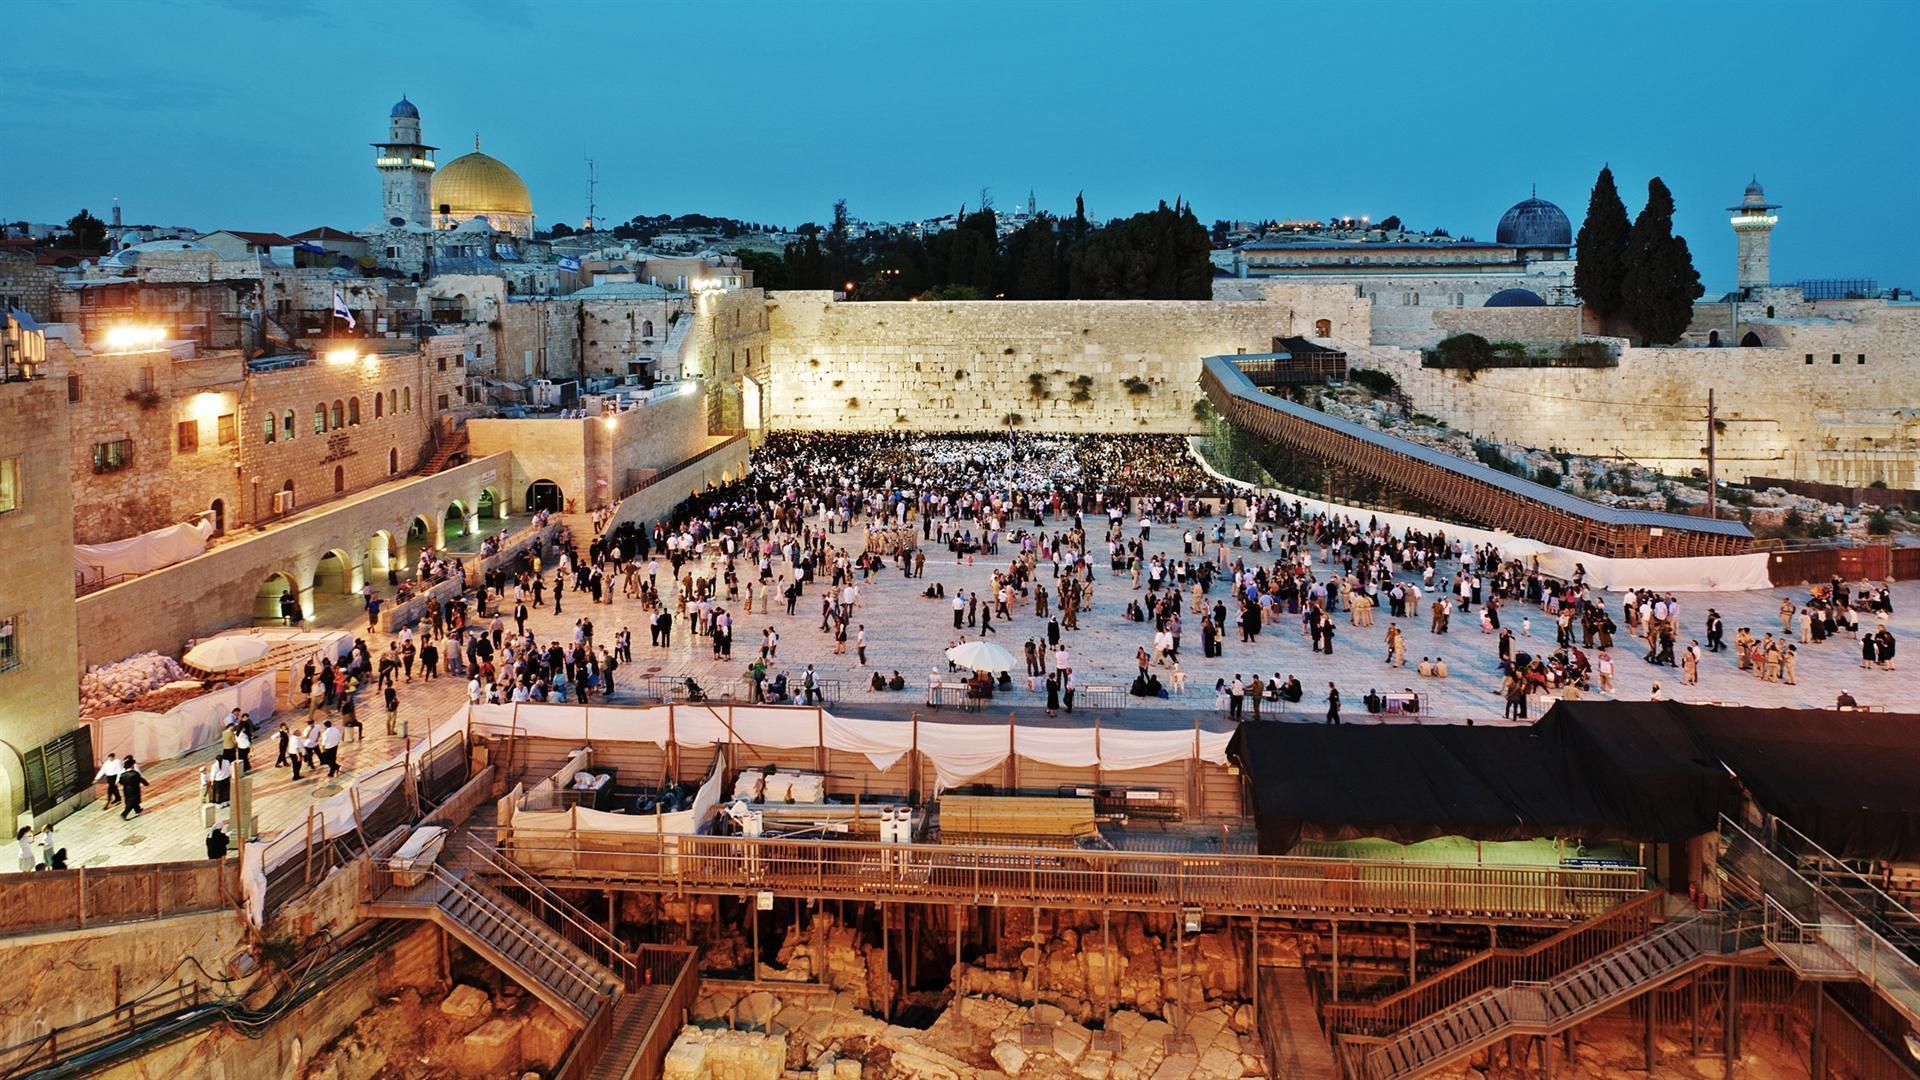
(910, 633)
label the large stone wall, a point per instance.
(1534, 325)
(596, 459)
(39, 698)
(218, 589)
(950, 365)
(1847, 422)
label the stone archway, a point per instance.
(13, 783)
(453, 524)
(266, 599)
(491, 508)
(544, 494)
(383, 557)
(334, 574)
(419, 538)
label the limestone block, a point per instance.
(687, 1057)
(1177, 1067)
(756, 1008)
(1070, 1041)
(1009, 1057)
(1127, 1025)
(491, 1047)
(1218, 1062)
(924, 1068)
(844, 1069)
(1044, 1013)
(1093, 1066)
(466, 1002)
(545, 1039)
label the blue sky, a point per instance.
(257, 115)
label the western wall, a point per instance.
(1060, 365)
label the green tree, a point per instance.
(841, 267)
(1660, 284)
(89, 232)
(1599, 274)
(769, 269)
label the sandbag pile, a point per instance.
(106, 688)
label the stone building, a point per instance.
(406, 168)
(39, 667)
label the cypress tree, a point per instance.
(1599, 274)
(1660, 284)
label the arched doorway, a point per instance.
(339, 479)
(382, 558)
(334, 575)
(419, 539)
(1713, 339)
(544, 495)
(490, 508)
(1751, 341)
(393, 462)
(454, 525)
(267, 610)
(219, 508)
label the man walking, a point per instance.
(330, 749)
(1333, 704)
(131, 783)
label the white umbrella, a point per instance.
(981, 656)
(227, 653)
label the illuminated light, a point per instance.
(343, 355)
(205, 405)
(611, 420)
(134, 338)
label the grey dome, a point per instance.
(1515, 298)
(1535, 223)
(405, 108)
(1754, 188)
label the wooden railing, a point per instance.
(1497, 967)
(681, 966)
(65, 1042)
(95, 896)
(921, 873)
(478, 857)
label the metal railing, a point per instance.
(1497, 967)
(481, 858)
(1817, 930)
(1124, 880)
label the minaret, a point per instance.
(406, 169)
(1753, 222)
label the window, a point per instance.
(270, 429)
(287, 427)
(353, 412)
(189, 438)
(393, 462)
(1861, 359)
(73, 389)
(406, 399)
(227, 429)
(320, 419)
(339, 479)
(1836, 358)
(9, 642)
(112, 456)
(443, 403)
(379, 406)
(1809, 358)
(9, 484)
(443, 363)
(339, 415)
(393, 252)
(393, 401)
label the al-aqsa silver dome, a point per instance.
(1534, 223)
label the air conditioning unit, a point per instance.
(283, 502)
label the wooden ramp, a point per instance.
(1290, 1028)
(634, 1018)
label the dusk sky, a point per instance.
(259, 115)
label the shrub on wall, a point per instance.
(1463, 351)
(1377, 383)
(1136, 385)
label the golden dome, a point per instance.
(475, 184)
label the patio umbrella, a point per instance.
(226, 653)
(981, 656)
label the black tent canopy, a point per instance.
(1652, 772)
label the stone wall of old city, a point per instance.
(1067, 366)
(596, 459)
(39, 696)
(220, 588)
(728, 345)
(1841, 421)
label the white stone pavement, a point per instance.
(909, 633)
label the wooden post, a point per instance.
(1336, 959)
(1733, 1023)
(1693, 994)
(1646, 1035)
(673, 745)
(820, 738)
(753, 905)
(1413, 973)
(1817, 1050)
(1195, 798)
(1099, 771)
(913, 758)
(1106, 947)
(1012, 771)
(886, 955)
(1253, 970)
(959, 917)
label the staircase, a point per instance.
(633, 1019)
(1546, 1008)
(537, 957)
(445, 450)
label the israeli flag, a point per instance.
(568, 262)
(340, 310)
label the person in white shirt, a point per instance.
(330, 749)
(473, 690)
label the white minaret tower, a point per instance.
(406, 169)
(1753, 222)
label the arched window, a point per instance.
(393, 401)
(393, 462)
(320, 419)
(339, 415)
(379, 405)
(353, 412)
(1323, 328)
(646, 328)
(1713, 339)
(406, 399)
(287, 426)
(270, 429)
(339, 479)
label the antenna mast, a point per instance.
(593, 180)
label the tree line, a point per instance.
(1639, 274)
(1159, 254)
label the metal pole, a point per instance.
(1336, 960)
(1713, 491)
(1817, 1057)
(1646, 1037)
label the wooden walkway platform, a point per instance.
(1290, 1027)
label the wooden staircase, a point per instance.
(537, 957)
(445, 450)
(633, 1019)
(1547, 1008)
